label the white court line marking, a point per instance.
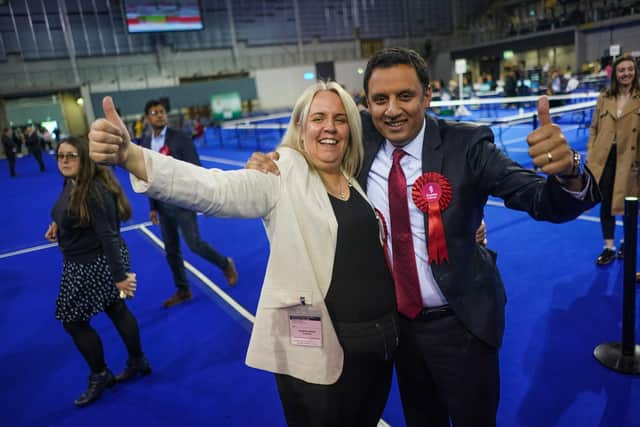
(204, 279)
(27, 250)
(222, 160)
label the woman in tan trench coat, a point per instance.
(613, 150)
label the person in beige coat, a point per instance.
(326, 318)
(613, 151)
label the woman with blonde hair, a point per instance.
(326, 318)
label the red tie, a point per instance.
(405, 272)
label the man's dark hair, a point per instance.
(392, 56)
(152, 103)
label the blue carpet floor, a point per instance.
(560, 306)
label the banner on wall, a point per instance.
(226, 106)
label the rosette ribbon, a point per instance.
(431, 194)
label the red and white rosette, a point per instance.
(431, 194)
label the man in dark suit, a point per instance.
(447, 362)
(34, 144)
(9, 150)
(173, 219)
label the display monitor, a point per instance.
(145, 16)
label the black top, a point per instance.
(361, 286)
(8, 145)
(84, 243)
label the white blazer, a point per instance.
(302, 232)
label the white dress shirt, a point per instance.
(378, 192)
(157, 142)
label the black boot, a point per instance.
(97, 383)
(606, 257)
(135, 366)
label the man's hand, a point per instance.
(108, 138)
(154, 217)
(52, 233)
(548, 148)
(264, 163)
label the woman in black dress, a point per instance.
(95, 274)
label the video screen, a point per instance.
(145, 16)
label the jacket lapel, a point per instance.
(431, 153)
(632, 106)
(432, 161)
(372, 141)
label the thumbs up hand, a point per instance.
(108, 138)
(548, 148)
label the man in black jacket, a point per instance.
(34, 144)
(447, 362)
(173, 219)
(9, 150)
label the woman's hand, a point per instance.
(52, 233)
(127, 286)
(108, 138)
(109, 142)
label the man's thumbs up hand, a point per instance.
(548, 148)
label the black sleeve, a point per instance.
(104, 220)
(522, 189)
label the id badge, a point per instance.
(305, 326)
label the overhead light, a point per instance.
(80, 101)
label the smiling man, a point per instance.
(431, 178)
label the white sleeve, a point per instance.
(240, 193)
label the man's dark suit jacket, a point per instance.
(33, 142)
(9, 146)
(180, 146)
(466, 155)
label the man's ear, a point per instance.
(428, 93)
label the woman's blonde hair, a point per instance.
(352, 160)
